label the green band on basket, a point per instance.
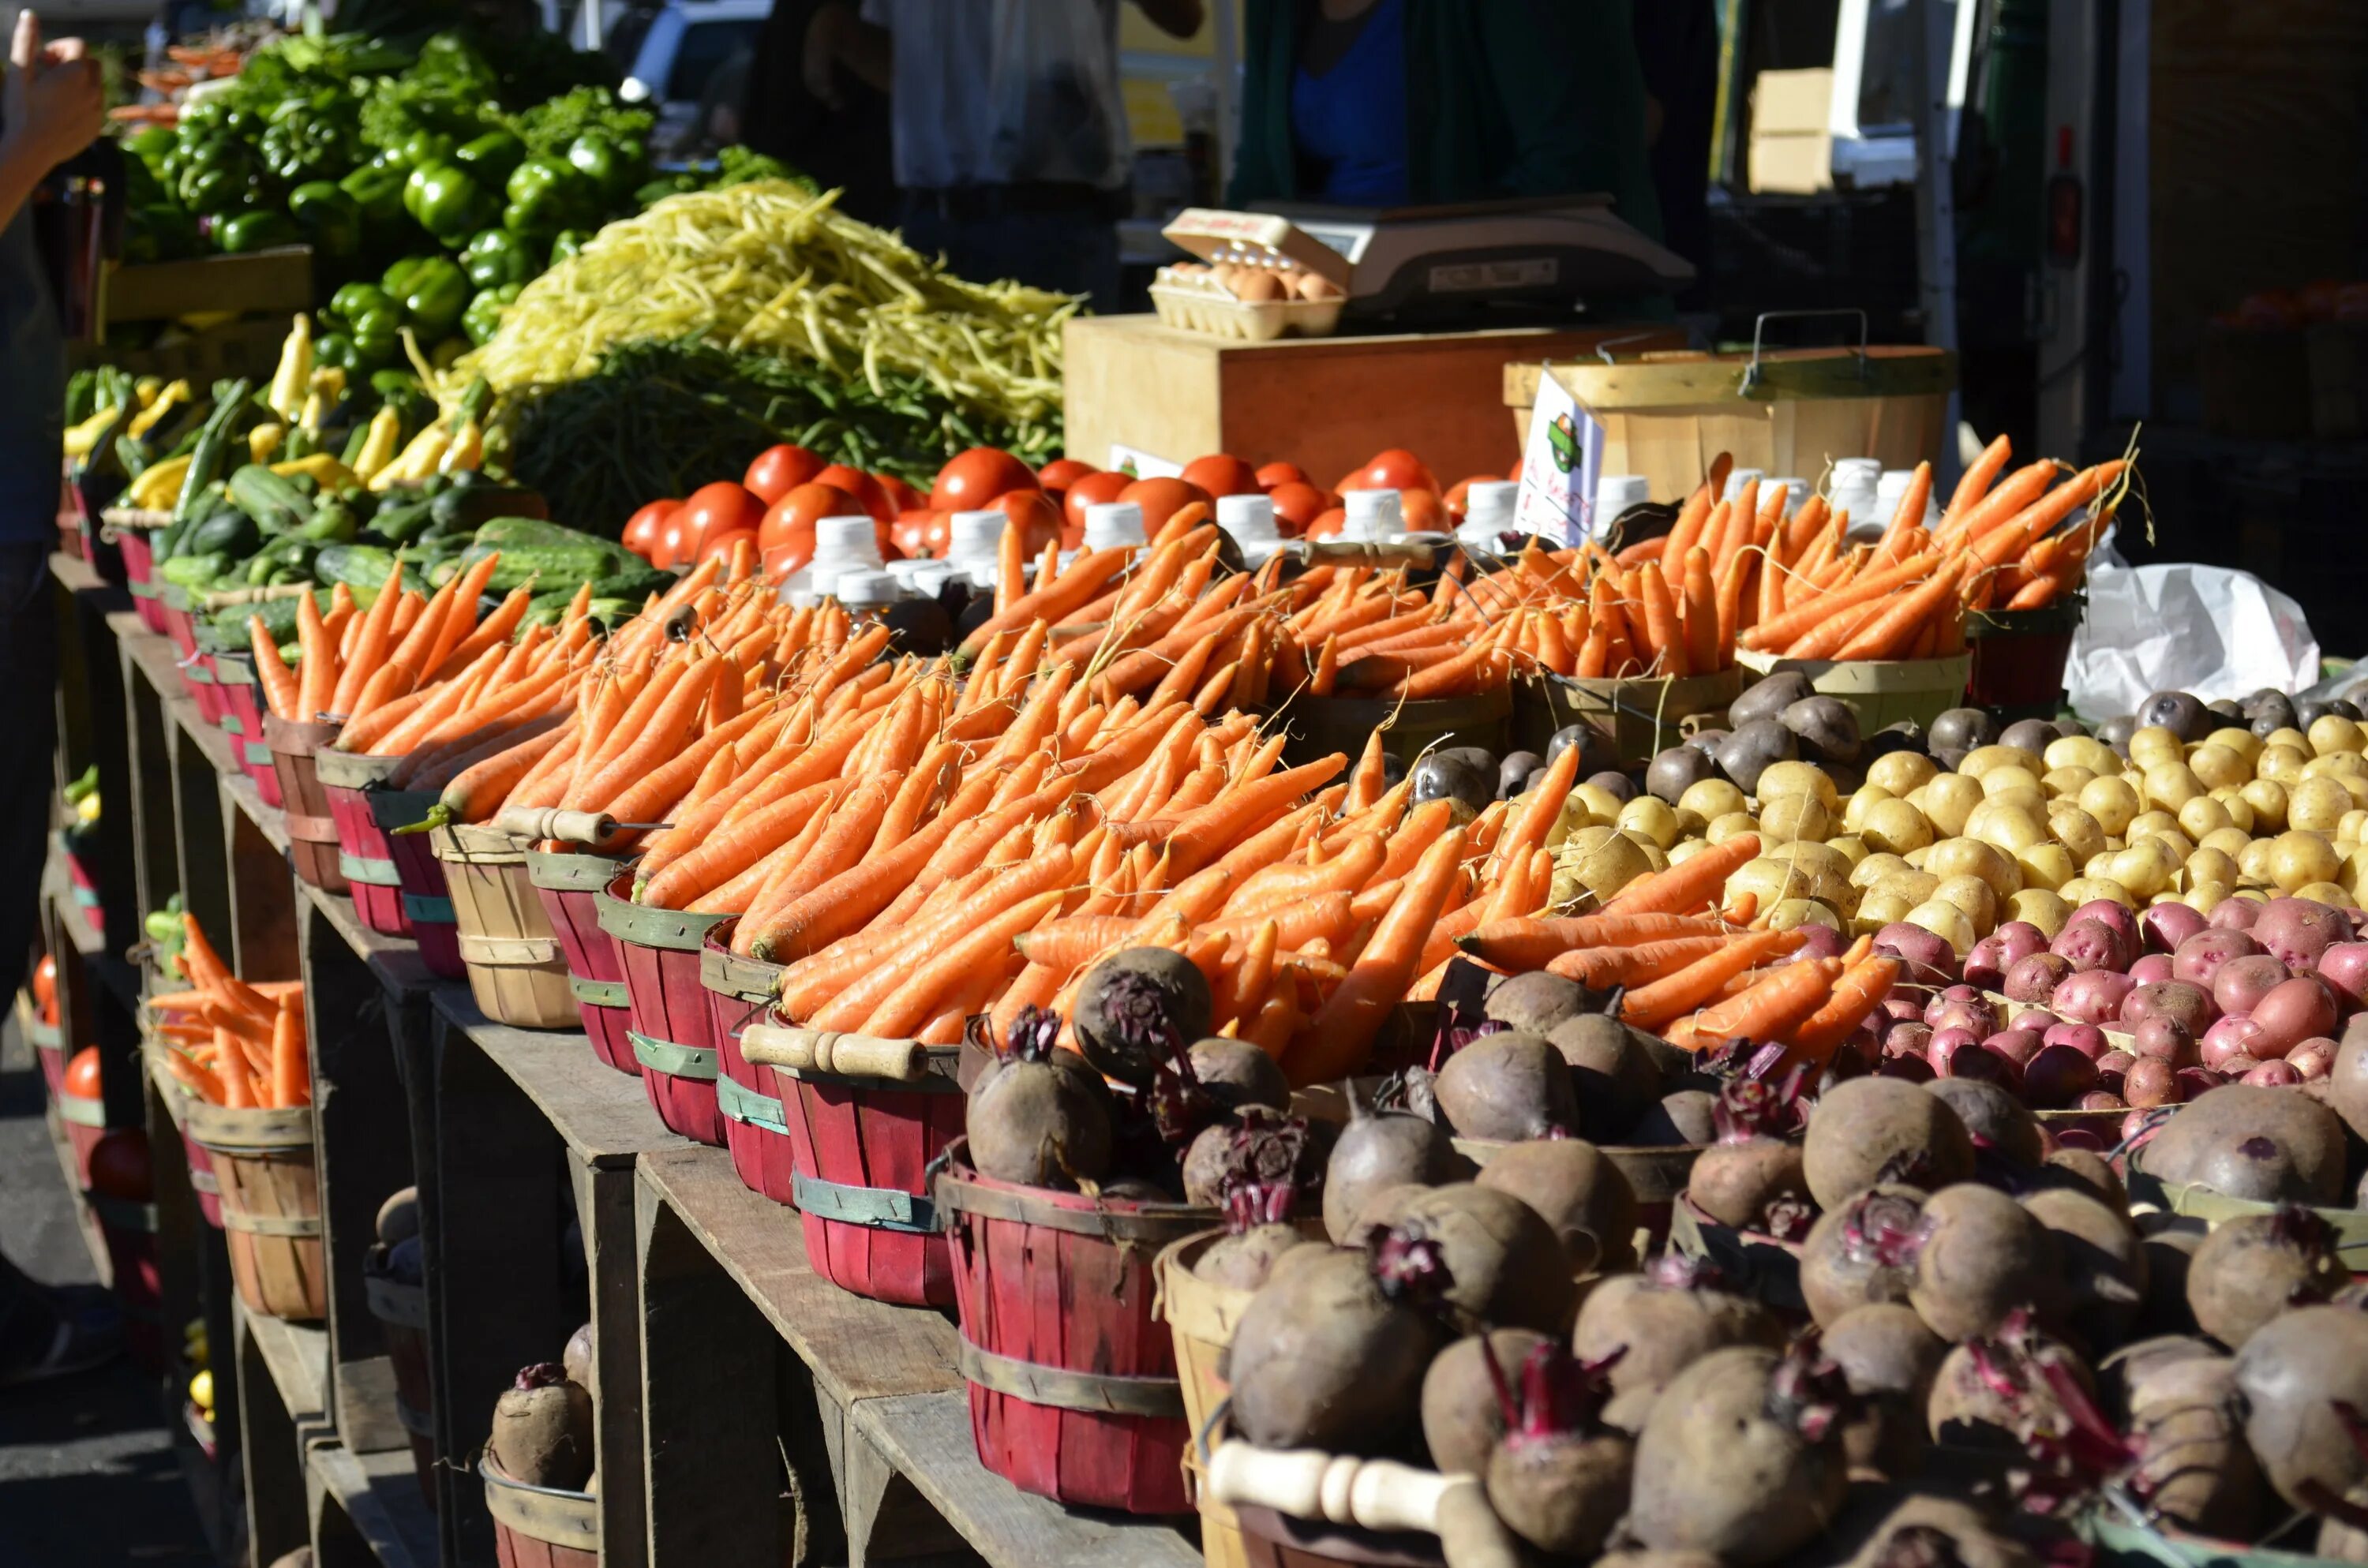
(258, 753)
(740, 1103)
(229, 724)
(142, 590)
(364, 869)
(425, 909)
(598, 993)
(198, 670)
(675, 1061)
(87, 897)
(881, 1208)
(82, 1110)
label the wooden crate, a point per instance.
(1327, 403)
(269, 281)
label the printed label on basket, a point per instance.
(1142, 464)
(1559, 465)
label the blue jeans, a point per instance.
(1072, 252)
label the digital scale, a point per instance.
(1537, 256)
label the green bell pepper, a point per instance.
(448, 202)
(483, 316)
(547, 195)
(492, 157)
(566, 244)
(335, 350)
(330, 218)
(434, 294)
(595, 157)
(377, 191)
(421, 147)
(149, 144)
(658, 189)
(160, 232)
(496, 257)
(256, 231)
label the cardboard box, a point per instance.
(1790, 165)
(1791, 150)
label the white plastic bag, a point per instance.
(2210, 630)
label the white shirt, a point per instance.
(1004, 92)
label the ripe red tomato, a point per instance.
(119, 1166)
(972, 479)
(1094, 490)
(1162, 499)
(910, 533)
(1039, 520)
(1062, 472)
(1397, 469)
(1327, 526)
(1277, 474)
(793, 547)
(1222, 475)
(713, 510)
(800, 510)
(82, 1073)
(1297, 506)
(647, 527)
(45, 980)
(677, 542)
(871, 496)
(780, 469)
(1458, 499)
(1420, 511)
(904, 497)
(718, 547)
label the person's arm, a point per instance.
(51, 109)
(1177, 19)
(836, 38)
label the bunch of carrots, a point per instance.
(230, 1043)
(1695, 974)
(353, 662)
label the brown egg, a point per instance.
(1258, 285)
(1316, 286)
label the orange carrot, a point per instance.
(1603, 968)
(1339, 1036)
(1771, 1008)
(1978, 480)
(1667, 1000)
(371, 645)
(1690, 885)
(914, 1002)
(1860, 991)
(291, 1079)
(1661, 624)
(1890, 631)
(278, 682)
(1806, 618)
(1531, 943)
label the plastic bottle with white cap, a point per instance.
(1115, 525)
(866, 590)
(1248, 521)
(1489, 507)
(841, 545)
(1373, 516)
(975, 537)
(1737, 478)
(1854, 491)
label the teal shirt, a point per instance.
(1504, 98)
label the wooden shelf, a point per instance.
(379, 1495)
(603, 1116)
(298, 1355)
(394, 960)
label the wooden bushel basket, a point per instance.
(427, 898)
(312, 830)
(748, 1094)
(365, 857)
(672, 1031)
(1881, 692)
(1073, 1387)
(402, 1313)
(1641, 716)
(569, 882)
(129, 1230)
(242, 719)
(1302, 1509)
(85, 1123)
(48, 1044)
(541, 1526)
(1201, 1317)
(201, 1165)
(1322, 725)
(866, 1119)
(270, 1206)
(516, 971)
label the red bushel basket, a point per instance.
(2018, 656)
(312, 831)
(672, 1031)
(401, 1308)
(129, 1230)
(866, 1119)
(569, 882)
(365, 854)
(748, 1097)
(426, 897)
(1073, 1387)
(241, 718)
(134, 534)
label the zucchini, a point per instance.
(470, 506)
(277, 505)
(230, 531)
(206, 458)
(508, 531)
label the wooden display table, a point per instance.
(1327, 403)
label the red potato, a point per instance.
(2092, 996)
(1906, 1066)
(2275, 1075)
(2197, 959)
(2149, 1082)
(2096, 1099)
(2034, 979)
(2313, 1058)
(2017, 1045)
(2296, 931)
(2297, 1010)
(2240, 983)
(2189, 1003)
(2234, 914)
(1987, 963)
(2116, 917)
(2167, 1038)
(1925, 959)
(2344, 967)
(2092, 945)
(1963, 1006)
(1909, 1036)
(2087, 1039)
(1742, 1457)
(2058, 1078)
(2165, 926)
(2227, 1039)
(2194, 1081)
(2151, 969)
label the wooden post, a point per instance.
(156, 869)
(263, 891)
(271, 1440)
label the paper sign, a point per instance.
(1124, 458)
(1559, 465)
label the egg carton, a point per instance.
(1190, 303)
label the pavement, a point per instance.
(87, 1473)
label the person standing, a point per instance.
(51, 109)
(1010, 132)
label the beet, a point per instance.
(2347, 1080)
(1378, 1151)
(2293, 1373)
(1582, 1196)
(2103, 1265)
(576, 1359)
(543, 1430)
(1742, 1456)
(1135, 1006)
(1667, 1317)
(2270, 1146)
(1329, 1354)
(1888, 1357)
(1882, 1528)
(1559, 1477)
(1237, 1073)
(1612, 1073)
(1991, 1390)
(1871, 1130)
(1506, 1268)
(2253, 1266)
(1998, 1123)
(1506, 1087)
(1751, 1179)
(2193, 1467)
(1682, 1118)
(1535, 1003)
(1979, 1256)
(1257, 1147)
(1257, 1232)
(2092, 1173)
(1461, 1417)
(2057, 1078)
(1861, 1253)
(1034, 1119)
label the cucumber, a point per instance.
(508, 531)
(232, 532)
(401, 523)
(195, 571)
(548, 566)
(475, 503)
(362, 567)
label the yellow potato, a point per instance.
(1651, 816)
(1912, 887)
(1875, 867)
(2239, 810)
(1895, 827)
(2101, 864)
(2040, 908)
(2205, 897)
(2009, 824)
(1982, 760)
(2267, 799)
(2298, 859)
(1976, 897)
(1849, 846)
(2244, 743)
(2113, 803)
(2333, 731)
(2280, 762)
(2218, 767)
(1772, 882)
(1788, 817)
(2146, 867)
(2147, 823)
(1916, 858)
(2353, 824)
(2171, 839)
(1900, 771)
(2153, 746)
(2315, 806)
(2077, 830)
(2324, 893)
(1606, 864)
(1654, 853)
(2355, 873)
(2045, 866)
(1711, 799)
(2009, 776)
(2086, 889)
(1601, 803)
(1879, 908)
(1686, 849)
(2029, 797)
(2253, 862)
(1948, 801)
(2289, 736)
(2202, 815)
(2082, 751)
(2228, 841)
(2170, 785)
(1723, 828)
(1795, 779)
(1865, 798)
(2065, 781)
(1795, 912)
(1972, 858)
(1946, 921)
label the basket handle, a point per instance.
(827, 1051)
(594, 828)
(1374, 1494)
